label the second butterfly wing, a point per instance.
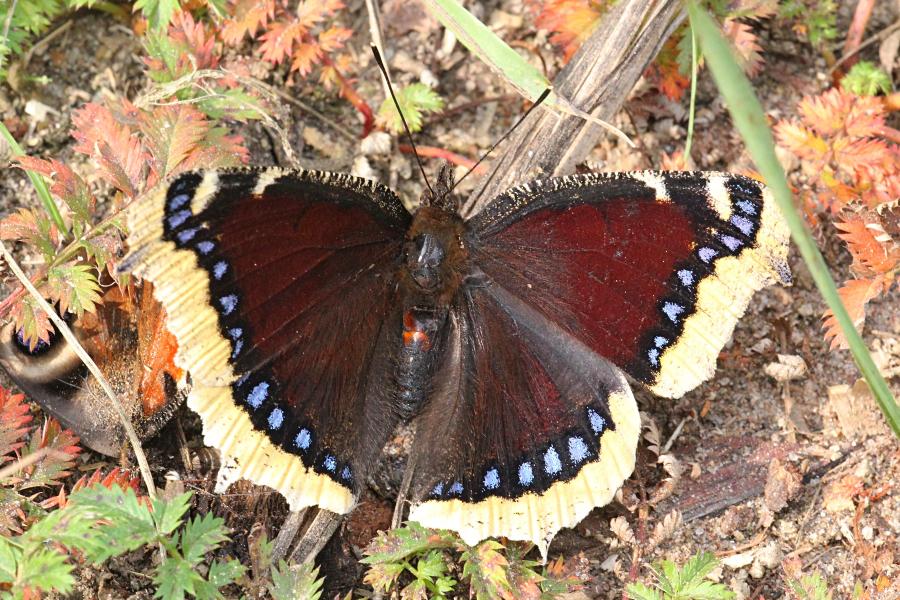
(279, 288)
(531, 423)
(650, 270)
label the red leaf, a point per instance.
(665, 73)
(56, 465)
(869, 253)
(14, 419)
(855, 294)
(67, 186)
(569, 21)
(123, 478)
(310, 14)
(745, 43)
(172, 134)
(249, 16)
(112, 144)
(279, 40)
(31, 323)
(305, 56)
(802, 141)
(217, 150)
(194, 40)
(333, 39)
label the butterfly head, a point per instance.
(441, 195)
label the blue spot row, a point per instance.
(560, 460)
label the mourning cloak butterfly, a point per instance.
(314, 313)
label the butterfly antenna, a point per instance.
(400, 112)
(537, 103)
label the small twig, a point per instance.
(668, 445)
(432, 152)
(286, 534)
(46, 40)
(8, 24)
(24, 463)
(868, 42)
(90, 364)
(316, 536)
(377, 39)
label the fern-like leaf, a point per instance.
(415, 101)
(62, 449)
(855, 294)
(15, 418)
(296, 582)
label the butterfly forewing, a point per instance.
(650, 270)
(279, 287)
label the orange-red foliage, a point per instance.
(854, 170)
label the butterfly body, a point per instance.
(315, 313)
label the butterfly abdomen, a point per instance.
(421, 343)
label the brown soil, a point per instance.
(764, 465)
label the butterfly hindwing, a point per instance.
(280, 288)
(526, 430)
(650, 270)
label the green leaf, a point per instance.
(9, 558)
(707, 590)
(222, 573)
(415, 100)
(399, 544)
(296, 582)
(865, 78)
(75, 287)
(695, 569)
(431, 565)
(202, 535)
(46, 570)
(231, 104)
(158, 12)
(168, 514)
(639, 591)
(128, 522)
(174, 578)
(485, 567)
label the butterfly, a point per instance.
(314, 314)
(127, 338)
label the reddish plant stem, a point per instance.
(353, 97)
(856, 31)
(452, 157)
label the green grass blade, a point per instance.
(750, 121)
(38, 182)
(494, 52)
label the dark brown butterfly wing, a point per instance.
(527, 430)
(280, 287)
(650, 270)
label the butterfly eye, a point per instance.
(424, 257)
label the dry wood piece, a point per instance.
(597, 80)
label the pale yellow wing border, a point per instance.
(183, 288)
(723, 296)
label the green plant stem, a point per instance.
(750, 121)
(695, 60)
(38, 182)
